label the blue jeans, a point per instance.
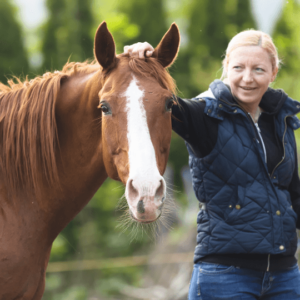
(215, 282)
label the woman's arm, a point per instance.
(191, 123)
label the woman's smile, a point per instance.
(247, 88)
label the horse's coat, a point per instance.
(62, 134)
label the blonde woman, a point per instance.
(243, 162)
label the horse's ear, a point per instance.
(167, 50)
(104, 47)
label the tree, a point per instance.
(68, 33)
(149, 17)
(13, 57)
(287, 39)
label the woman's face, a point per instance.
(249, 73)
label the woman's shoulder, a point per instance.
(206, 94)
(276, 101)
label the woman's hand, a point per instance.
(140, 50)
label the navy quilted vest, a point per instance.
(247, 210)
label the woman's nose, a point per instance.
(248, 76)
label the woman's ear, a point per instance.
(274, 74)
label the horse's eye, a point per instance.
(104, 108)
(169, 104)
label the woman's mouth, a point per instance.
(247, 88)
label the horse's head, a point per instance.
(136, 100)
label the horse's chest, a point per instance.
(20, 275)
(22, 260)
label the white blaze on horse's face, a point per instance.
(145, 188)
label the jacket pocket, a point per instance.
(235, 205)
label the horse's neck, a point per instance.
(80, 163)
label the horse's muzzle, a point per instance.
(145, 199)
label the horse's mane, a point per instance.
(28, 128)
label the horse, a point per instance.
(63, 133)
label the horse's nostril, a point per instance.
(133, 192)
(141, 207)
(160, 191)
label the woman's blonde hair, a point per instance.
(252, 37)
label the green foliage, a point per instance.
(13, 58)
(117, 21)
(77, 292)
(68, 33)
(132, 21)
(287, 39)
(149, 17)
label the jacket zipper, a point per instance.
(261, 139)
(285, 128)
(268, 266)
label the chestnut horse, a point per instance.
(63, 134)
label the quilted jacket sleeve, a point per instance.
(182, 121)
(191, 123)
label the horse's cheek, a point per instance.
(162, 148)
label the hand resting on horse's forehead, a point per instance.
(139, 50)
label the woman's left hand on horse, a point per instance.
(140, 50)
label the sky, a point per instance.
(31, 12)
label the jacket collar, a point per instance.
(271, 102)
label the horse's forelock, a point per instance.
(151, 67)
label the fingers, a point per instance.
(148, 53)
(140, 50)
(127, 49)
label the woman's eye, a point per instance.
(237, 67)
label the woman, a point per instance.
(243, 161)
